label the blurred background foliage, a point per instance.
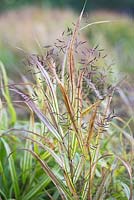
(125, 5)
(31, 24)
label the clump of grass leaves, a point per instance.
(71, 96)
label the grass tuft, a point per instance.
(72, 126)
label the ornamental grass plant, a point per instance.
(73, 137)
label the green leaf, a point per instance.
(6, 94)
(63, 190)
(42, 117)
(12, 169)
(126, 190)
(45, 180)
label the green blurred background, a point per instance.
(123, 5)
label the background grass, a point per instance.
(40, 28)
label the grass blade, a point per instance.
(6, 94)
(60, 185)
(129, 170)
(94, 23)
(12, 170)
(27, 158)
(38, 187)
(32, 105)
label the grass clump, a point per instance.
(71, 139)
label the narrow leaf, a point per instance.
(44, 119)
